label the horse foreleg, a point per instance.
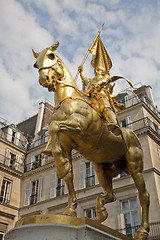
(105, 180)
(64, 170)
(62, 163)
(72, 200)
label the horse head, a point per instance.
(50, 67)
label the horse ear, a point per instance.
(54, 46)
(35, 53)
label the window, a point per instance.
(38, 158)
(3, 230)
(5, 191)
(123, 123)
(90, 175)
(36, 161)
(12, 160)
(60, 187)
(41, 139)
(90, 213)
(126, 122)
(156, 128)
(1, 235)
(34, 193)
(13, 136)
(129, 210)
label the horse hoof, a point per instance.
(70, 212)
(141, 234)
(102, 215)
(47, 153)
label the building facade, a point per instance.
(40, 192)
(13, 146)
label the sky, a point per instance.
(131, 35)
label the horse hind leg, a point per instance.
(105, 180)
(142, 232)
(135, 166)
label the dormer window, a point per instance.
(13, 137)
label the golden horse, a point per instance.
(76, 124)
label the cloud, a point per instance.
(131, 35)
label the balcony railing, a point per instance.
(36, 164)
(60, 190)
(130, 101)
(41, 140)
(33, 199)
(154, 232)
(16, 141)
(11, 163)
(144, 123)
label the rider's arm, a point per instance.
(104, 80)
(85, 80)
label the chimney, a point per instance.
(146, 90)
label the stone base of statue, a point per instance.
(55, 227)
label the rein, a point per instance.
(76, 98)
(69, 85)
(82, 92)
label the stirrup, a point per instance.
(115, 129)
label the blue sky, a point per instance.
(131, 35)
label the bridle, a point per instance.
(42, 68)
(72, 86)
(63, 83)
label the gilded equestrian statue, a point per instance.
(77, 124)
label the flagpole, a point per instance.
(88, 51)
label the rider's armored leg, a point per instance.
(112, 123)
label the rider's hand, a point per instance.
(80, 69)
(94, 88)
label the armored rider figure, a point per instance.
(99, 88)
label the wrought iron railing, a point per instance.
(133, 100)
(11, 163)
(154, 232)
(33, 199)
(40, 141)
(59, 190)
(36, 164)
(144, 123)
(14, 140)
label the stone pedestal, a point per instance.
(60, 227)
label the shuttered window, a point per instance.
(5, 191)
